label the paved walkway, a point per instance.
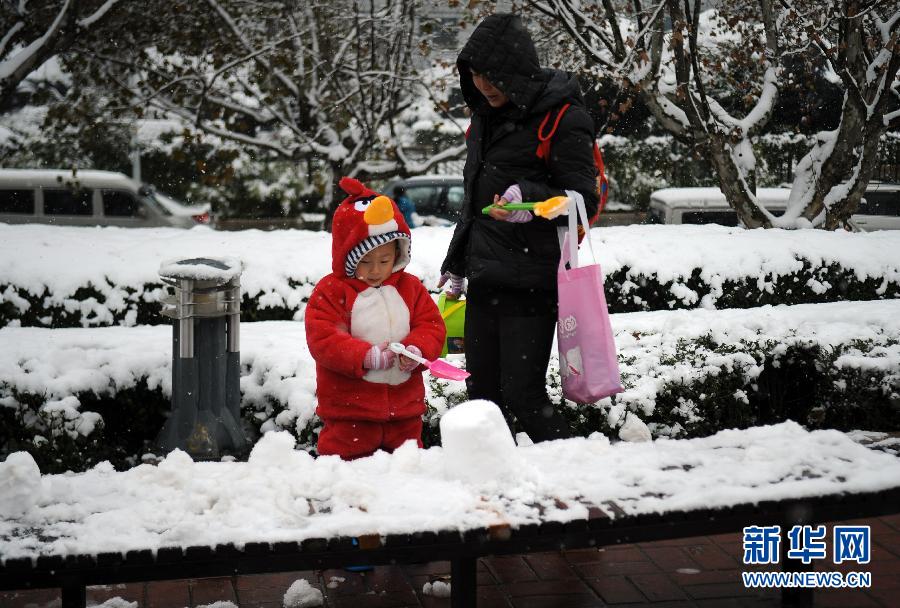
(697, 572)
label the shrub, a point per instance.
(696, 388)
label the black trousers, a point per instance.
(509, 336)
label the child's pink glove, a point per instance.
(379, 357)
(407, 364)
(513, 194)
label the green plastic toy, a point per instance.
(454, 314)
(549, 209)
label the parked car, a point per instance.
(706, 205)
(878, 210)
(438, 198)
(89, 198)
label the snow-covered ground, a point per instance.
(60, 363)
(281, 267)
(282, 494)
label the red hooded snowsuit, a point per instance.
(362, 409)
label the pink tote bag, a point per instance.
(587, 351)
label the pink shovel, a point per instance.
(438, 368)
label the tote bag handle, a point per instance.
(569, 254)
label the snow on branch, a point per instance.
(19, 65)
(98, 14)
(15, 29)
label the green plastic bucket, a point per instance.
(454, 314)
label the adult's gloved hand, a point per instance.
(406, 364)
(379, 357)
(513, 194)
(457, 285)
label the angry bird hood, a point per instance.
(363, 221)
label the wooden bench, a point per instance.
(74, 572)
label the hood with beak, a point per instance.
(363, 221)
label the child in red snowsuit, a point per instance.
(370, 398)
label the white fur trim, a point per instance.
(379, 315)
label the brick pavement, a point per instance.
(696, 572)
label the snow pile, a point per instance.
(436, 589)
(302, 595)
(20, 484)
(634, 429)
(117, 602)
(479, 447)
(183, 504)
(207, 268)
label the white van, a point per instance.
(706, 205)
(69, 197)
(879, 208)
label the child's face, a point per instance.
(377, 265)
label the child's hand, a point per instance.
(379, 357)
(407, 364)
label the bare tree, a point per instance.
(858, 42)
(675, 70)
(322, 83)
(33, 32)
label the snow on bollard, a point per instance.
(634, 429)
(303, 595)
(20, 484)
(478, 446)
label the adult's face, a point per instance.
(495, 97)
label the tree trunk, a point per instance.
(334, 194)
(734, 186)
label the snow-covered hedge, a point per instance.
(686, 373)
(74, 277)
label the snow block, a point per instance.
(478, 446)
(20, 485)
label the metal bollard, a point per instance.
(205, 305)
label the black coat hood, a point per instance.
(502, 49)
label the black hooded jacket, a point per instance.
(502, 146)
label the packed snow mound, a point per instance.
(275, 449)
(303, 595)
(634, 429)
(478, 446)
(20, 484)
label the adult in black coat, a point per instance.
(510, 258)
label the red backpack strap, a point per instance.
(543, 149)
(602, 182)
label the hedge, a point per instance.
(627, 290)
(687, 387)
(647, 268)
